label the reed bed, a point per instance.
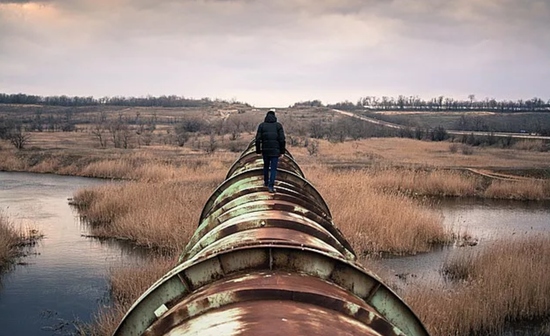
(426, 183)
(504, 283)
(12, 239)
(150, 170)
(160, 215)
(374, 221)
(161, 210)
(165, 214)
(126, 286)
(519, 190)
(10, 162)
(9, 239)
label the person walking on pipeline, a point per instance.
(270, 142)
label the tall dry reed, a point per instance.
(9, 239)
(507, 282)
(161, 210)
(13, 238)
(163, 215)
(374, 221)
(126, 285)
(520, 190)
(10, 162)
(420, 182)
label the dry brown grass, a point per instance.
(162, 215)
(9, 239)
(165, 214)
(507, 282)
(155, 214)
(520, 190)
(10, 162)
(126, 286)
(530, 145)
(49, 165)
(12, 238)
(374, 221)
(398, 151)
(422, 182)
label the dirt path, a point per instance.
(497, 176)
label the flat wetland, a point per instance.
(412, 209)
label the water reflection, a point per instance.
(66, 279)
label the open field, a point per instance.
(505, 283)
(528, 122)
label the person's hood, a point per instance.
(270, 117)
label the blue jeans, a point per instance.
(270, 162)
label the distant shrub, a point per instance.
(531, 145)
(453, 148)
(236, 147)
(313, 147)
(467, 150)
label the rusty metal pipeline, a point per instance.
(268, 264)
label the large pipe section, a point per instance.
(268, 264)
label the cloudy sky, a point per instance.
(276, 52)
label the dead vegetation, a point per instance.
(158, 215)
(377, 204)
(505, 283)
(12, 239)
(375, 221)
(165, 214)
(9, 239)
(126, 283)
(531, 189)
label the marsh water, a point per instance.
(64, 279)
(487, 221)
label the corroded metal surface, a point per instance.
(268, 264)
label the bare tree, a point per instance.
(115, 129)
(212, 144)
(18, 138)
(98, 131)
(472, 97)
(125, 136)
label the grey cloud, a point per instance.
(21, 1)
(324, 49)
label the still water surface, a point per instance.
(488, 221)
(65, 280)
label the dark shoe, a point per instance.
(272, 190)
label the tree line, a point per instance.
(147, 101)
(440, 103)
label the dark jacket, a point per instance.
(270, 138)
